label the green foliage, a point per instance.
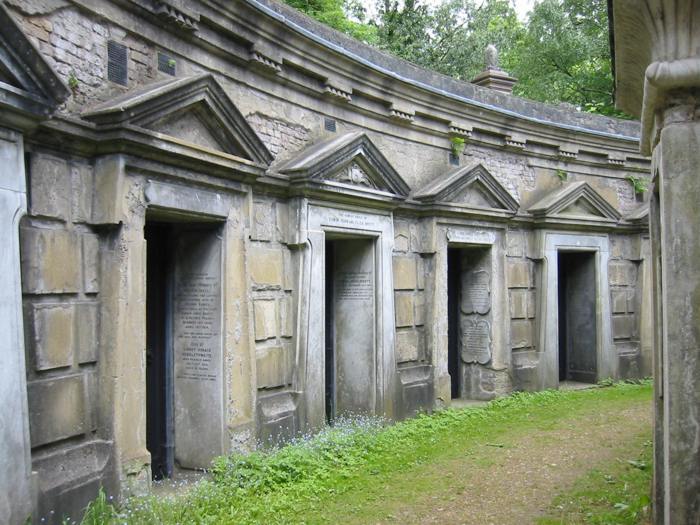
(279, 486)
(73, 81)
(457, 145)
(560, 55)
(640, 184)
(562, 175)
(99, 511)
(565, 55)
(336, 14)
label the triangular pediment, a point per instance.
(194, 110)
(575, 201)
(350, 160)
(472, 187)
(27, 82)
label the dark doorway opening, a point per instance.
(577, 317)
(159, 390)
(350, 327)
(454, 272)
(330, 334)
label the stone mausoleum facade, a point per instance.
(224, 224)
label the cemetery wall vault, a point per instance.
(227, 224)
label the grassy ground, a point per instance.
(362, 472)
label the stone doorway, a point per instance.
(577, 317)
(469, 318)
(350, 327)
(184, 361)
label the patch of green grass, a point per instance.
(619, 493)
(302, 482)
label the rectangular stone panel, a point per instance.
(266, 267)
(624, 326)
(286, 316)
(86, 331)
(82, 188)
(408, 345)
(50, 261)
(56, 409)
(403, 302)
(263, 226)
(619, 301)
(198, 349)
(273, 367)
(622, 273)
(518, 304)
(91, 263)
(519, 274)
(265, 313)
(521, 334)
(404, 273)
(52, 335)
(50, 187)
(419, 303)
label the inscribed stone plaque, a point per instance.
(476, 340)
(197, 349)
(354, 286)
(476, 292)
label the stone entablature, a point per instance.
(265, 208)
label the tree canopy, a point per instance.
(559, 54)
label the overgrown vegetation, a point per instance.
(302, 481)
(561, 53)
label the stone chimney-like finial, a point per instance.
(491, 57)
(493, 76)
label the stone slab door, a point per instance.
(185, 381)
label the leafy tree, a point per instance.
(347, 16)
(560, 55)
(565, 55)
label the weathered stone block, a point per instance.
(50, 261)
(622, 273)
(419, 302)
(86, 332)
(52, 335)
(273, 367)
(263, 221)
(265, 319)
(56, 409)
(409, 345)
(266, 267)
(619, 301)
(401, 236)
(420, 282)
(624, 326)
(519, 274)
(286, 316)
(282, 217)
(82, 187)
(404, 309)
(515, 243)
(50, 187)
(518, 304)
(521, 334)
(91, 263)
(531, 304)
(404, 273)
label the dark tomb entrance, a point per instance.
(350, 327)
(468, 318)
(577, 317)
(159, 424)
(183, 345)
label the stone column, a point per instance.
(15, 485)
(678, 290)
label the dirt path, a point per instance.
(514, 481)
